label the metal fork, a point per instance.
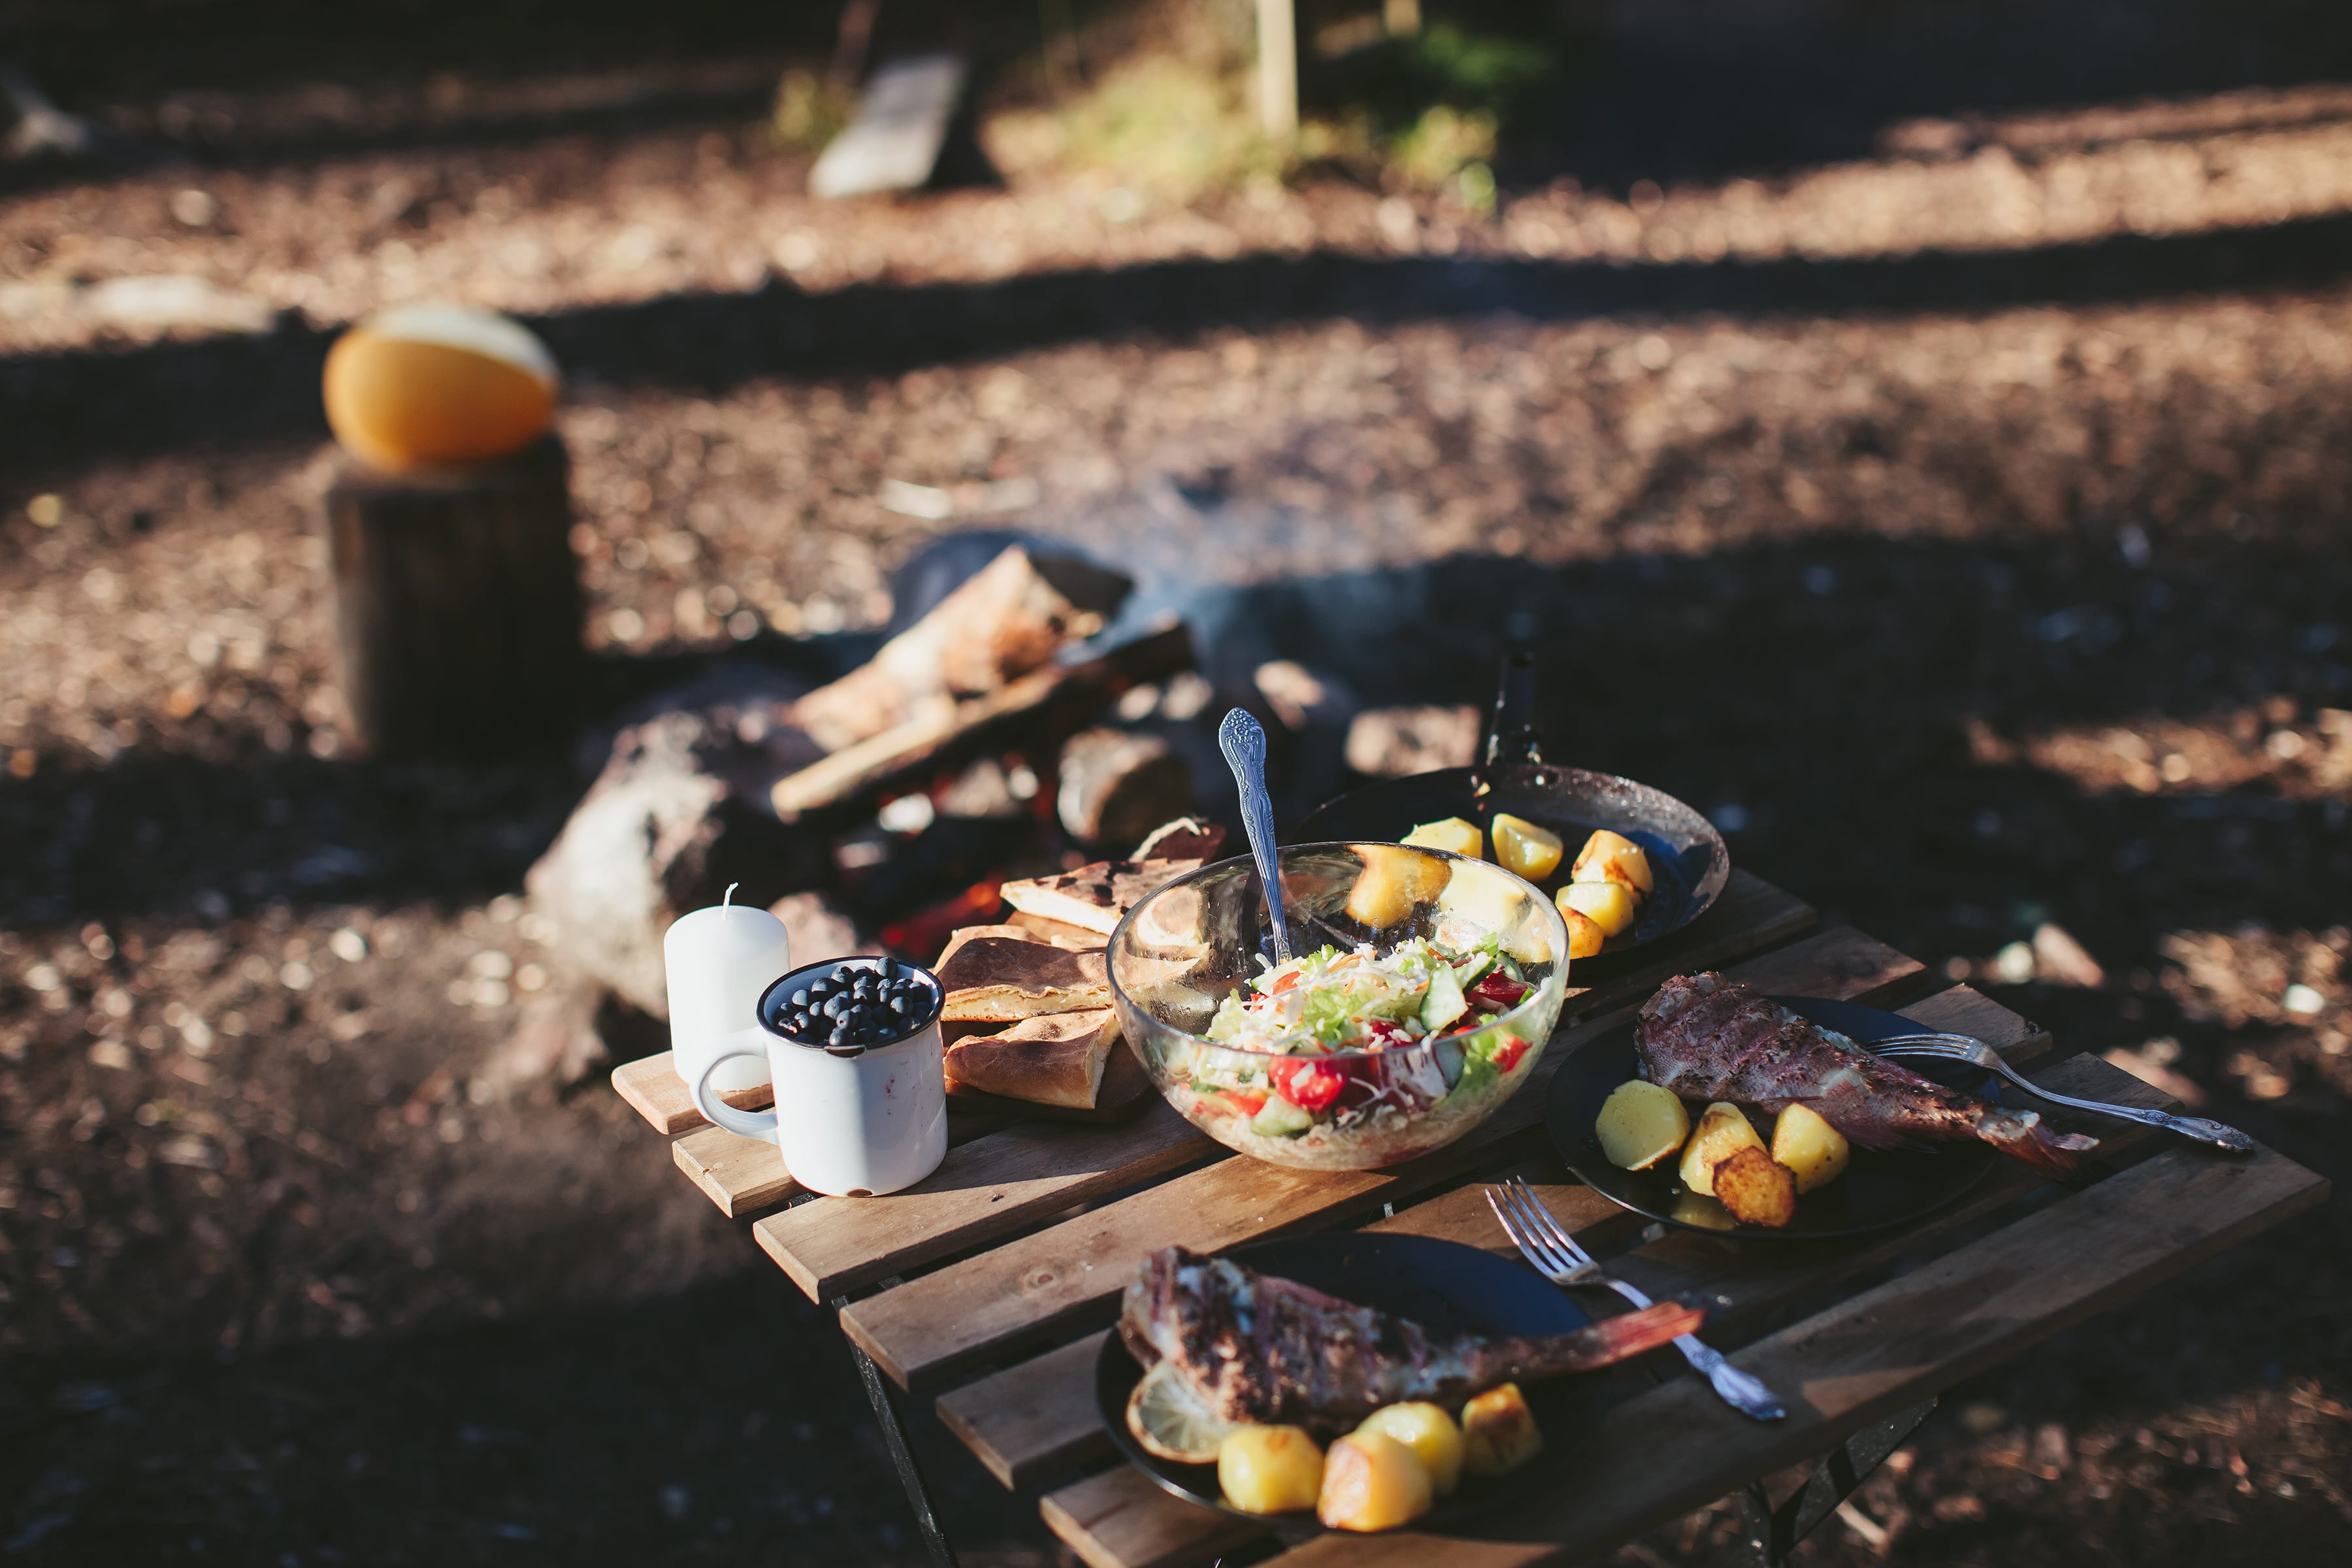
(1543, 1241)
(1963, 1048)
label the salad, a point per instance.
(1319, 1046)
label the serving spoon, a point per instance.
(1244, 744)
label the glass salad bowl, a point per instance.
(1425, 988)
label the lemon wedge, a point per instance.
(1168, 1418)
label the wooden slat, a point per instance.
(651, 1086)
(1119, 1520)
(1037, 1419)
(983, 1189)
(925, 1331)
(1750, 916)
(1677, 1447)
(741, 1176)
(745, 1175)
(1005, 1183)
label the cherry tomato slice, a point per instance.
(1306, 1083)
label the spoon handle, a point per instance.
(1244, 744)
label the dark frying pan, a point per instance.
(1687, 854)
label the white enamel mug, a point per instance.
(850, 1121)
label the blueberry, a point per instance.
(800, 999)
(902, 1005)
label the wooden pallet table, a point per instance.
(986, 1289)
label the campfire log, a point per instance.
(1032, 713)
(1008, 620)
(1117, 784)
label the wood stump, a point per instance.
(458, 604)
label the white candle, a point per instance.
(717, 962)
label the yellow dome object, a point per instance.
(422, 384)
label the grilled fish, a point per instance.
(1705, 1037)
(1258, 1348)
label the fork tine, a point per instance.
(1516, 1230)
(1514, 1227)
(1537, 1214)
(1510, 1227)
(1514, 1219)
(1549, 1223)
(1545, 1244)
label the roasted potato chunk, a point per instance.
(1270, 1469)
(1723, 1129)
(1394, 879)
(1498, 1432)
(1452, 833)
(1612, 858)
(1430, 1433)
(1525, 849)
(1608, 905)
(1641, 1124)
(1372, 1481)
(1811, 1148)
(1585, 938)
(1757, 1188)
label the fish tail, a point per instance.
(1608, 1341)
(2022, 1135)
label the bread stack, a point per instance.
(1030, 1001)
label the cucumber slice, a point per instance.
(1468, 973)
(1277, 1117)
(1444, 1002)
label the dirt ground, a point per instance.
(1944, 489)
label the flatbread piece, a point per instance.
(1005, 979)
(1056, 1060)
(1095, 896)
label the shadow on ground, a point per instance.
(66, 410)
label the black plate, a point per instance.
(1687, 854)
(1445, 1287)
(1877, 1192)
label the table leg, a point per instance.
(1771, 1534)
(902, 1453)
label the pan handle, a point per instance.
(1511, 733)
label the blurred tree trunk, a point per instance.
(1277, 68)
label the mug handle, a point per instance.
(746, 1123)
